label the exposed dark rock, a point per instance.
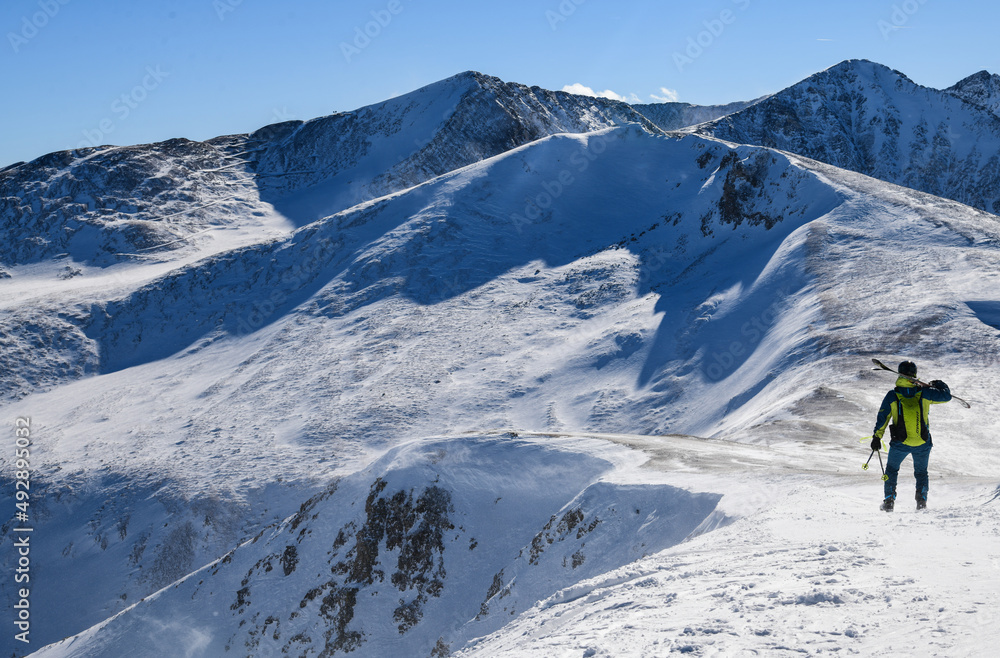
(289, 560)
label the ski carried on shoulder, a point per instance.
(916, 381)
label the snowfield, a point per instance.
(819, 571)
(585, 388)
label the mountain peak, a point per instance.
(978, 78)
(981, 89)
(465, 77)
(863, 67)
(854, 63)
(303, 170)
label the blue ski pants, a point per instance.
(897, 453)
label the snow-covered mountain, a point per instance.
(82, 211)
(335, 162)
(868, 118)
(981, 88)
(459, 414)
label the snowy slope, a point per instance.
(613, 337)
(349, 275)
(819, 572)
(865, 117)
(461, 417)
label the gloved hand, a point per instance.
(876, 443)
(938, 384)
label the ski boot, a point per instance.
(921, 501)
(888, 504)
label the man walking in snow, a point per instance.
(907, 406)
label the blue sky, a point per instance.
(80, 72)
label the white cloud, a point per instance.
(583, 90)
(665, 95)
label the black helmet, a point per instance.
(908, 368)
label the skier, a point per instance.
(907, 406)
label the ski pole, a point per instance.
(864, 467)
(884, 476)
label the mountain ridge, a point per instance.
(104, 204)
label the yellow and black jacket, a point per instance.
(907, 407)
